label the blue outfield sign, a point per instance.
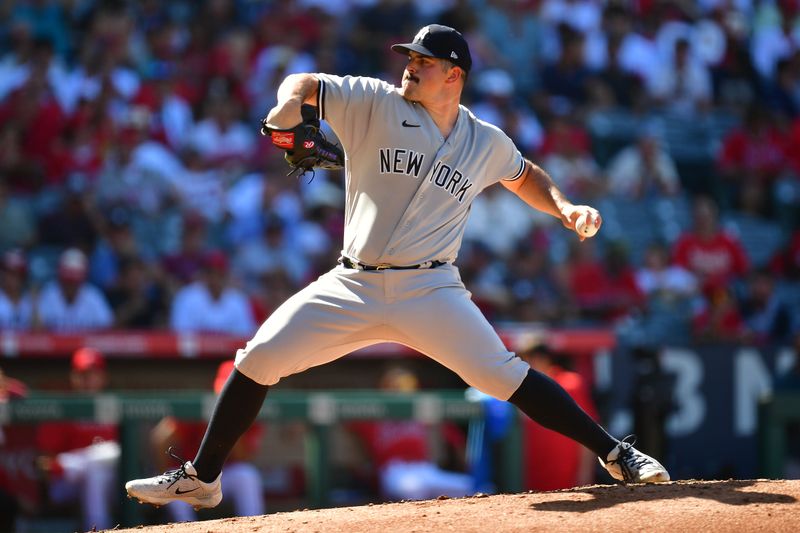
(711, 396)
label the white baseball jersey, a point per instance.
(89, 310)
(408, 194)
(408, 189)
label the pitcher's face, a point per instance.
(424, 77)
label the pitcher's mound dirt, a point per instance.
(706, 506)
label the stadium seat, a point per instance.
(674, 216)
(760, 238)
(628, 221)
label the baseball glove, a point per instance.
(305, 144)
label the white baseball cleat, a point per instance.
(176, 485)
(629, 465)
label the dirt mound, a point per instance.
(734, 505)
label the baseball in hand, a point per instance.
(585, 227)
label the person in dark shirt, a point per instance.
(137, 299)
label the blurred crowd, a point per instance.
(135, 191)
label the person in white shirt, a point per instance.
(682, 85)
(211, 304)
(660, 278)
(16, 308)
(643, 169)
(221, 137)
(69, 303)
(498, 105)
(499, 219)
(271, 252)
(772, 42)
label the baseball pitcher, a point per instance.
(414, 161)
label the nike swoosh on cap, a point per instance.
(407, 125)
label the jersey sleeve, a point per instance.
(348, 103)
(507, 162)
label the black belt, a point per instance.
(355, 265)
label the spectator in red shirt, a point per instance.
(756, 152)
(622, 291)
(171, 117)
(400, 451)
(80, 457)
(585, 277)
(720, 318)
(552, 461)
(604, 289)
(184, 265)
(566, 155)
(787, 262)
(241, 482)
(711, 254)
(794, 139)
(29, 107)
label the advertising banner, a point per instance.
(694, 407)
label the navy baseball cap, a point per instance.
(442, 42)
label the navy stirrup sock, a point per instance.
(237, 407)
(547, 403)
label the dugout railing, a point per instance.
(321, 410)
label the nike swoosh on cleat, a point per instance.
(179, 491)
(407, 125)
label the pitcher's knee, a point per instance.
(261, 363)
(499, 380)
